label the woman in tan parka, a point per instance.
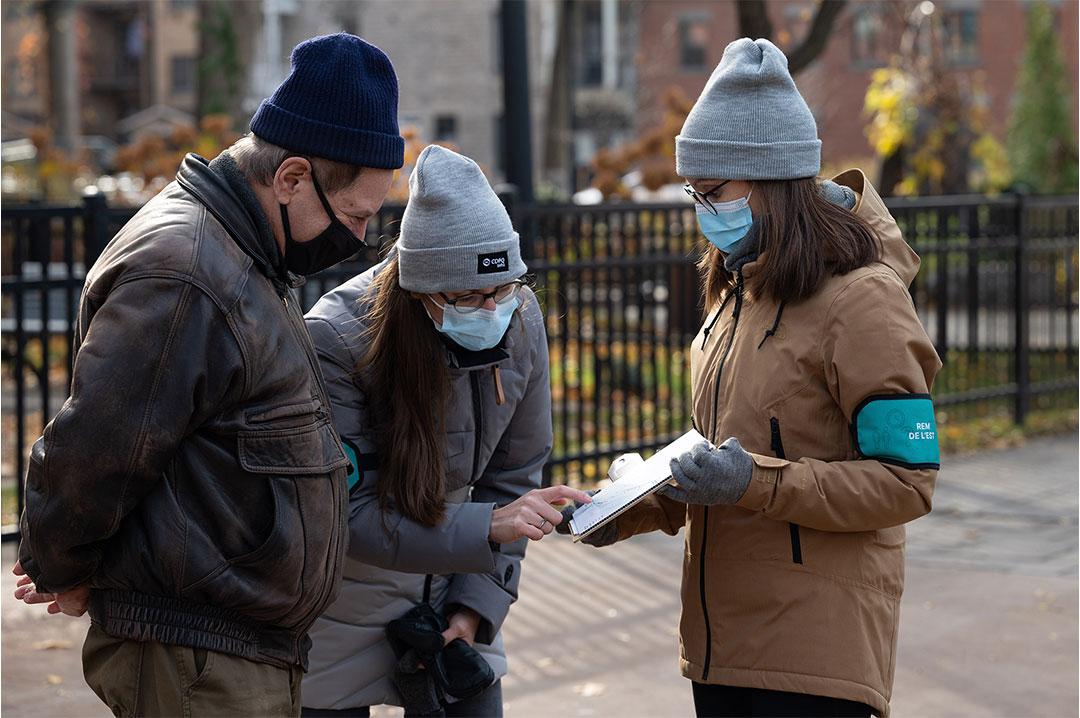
(811, 379)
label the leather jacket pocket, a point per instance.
(307, 450)
(289, 576)
(283, 415)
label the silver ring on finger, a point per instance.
(542, 524)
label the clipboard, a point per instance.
(634, 479)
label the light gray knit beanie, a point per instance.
(750, 121)
(455, 233)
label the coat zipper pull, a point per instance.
(500, 397)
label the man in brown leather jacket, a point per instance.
(191, 493)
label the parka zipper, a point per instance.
(705, 513)
(778, 449)
(478, 420)
(704, 600)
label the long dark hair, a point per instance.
(407, 385)
(803, 239)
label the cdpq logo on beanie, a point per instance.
(492, 263)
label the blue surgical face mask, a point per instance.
(730, 223)
(478, 330)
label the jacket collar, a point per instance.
(458, 357)
(245, 224)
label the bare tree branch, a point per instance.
(753, 19)
(754, 23)
(818, 37)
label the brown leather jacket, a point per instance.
(797, 587)
(193, 477)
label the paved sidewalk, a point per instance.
(989, 624)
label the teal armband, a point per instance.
(354, 464)
(897, 429)
(358, 463)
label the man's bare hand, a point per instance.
(71, 603)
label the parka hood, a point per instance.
(896, 253)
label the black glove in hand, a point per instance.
(568, 513)
(603, 536)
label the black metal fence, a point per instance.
(997, 293)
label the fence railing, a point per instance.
(997, 293)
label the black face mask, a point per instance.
(332, 245)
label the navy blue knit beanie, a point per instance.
(339, 102)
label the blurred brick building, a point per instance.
(681, 41)
(599, 69)
(136, 64)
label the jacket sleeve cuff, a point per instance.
(763, 480)
(483, 593)
(29, 566)
(475, 518)
(655, 512)
(51, 583)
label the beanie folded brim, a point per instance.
(459, 268)
(719, 159)
(332, 142)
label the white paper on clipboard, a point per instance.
(634, 479)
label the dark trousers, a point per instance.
(724, 701)
(486, 705)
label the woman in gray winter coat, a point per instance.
(437, 368)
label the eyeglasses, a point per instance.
(469, 303)
(702, 198)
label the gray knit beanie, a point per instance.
(455, 233)
(750, 121)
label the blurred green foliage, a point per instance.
(1042, 142)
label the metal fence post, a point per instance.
(509, 196)
(95, 227)
(1021, 348)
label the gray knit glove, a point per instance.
(603, 536)
(708, 476)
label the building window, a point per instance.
(693, 42)
(961, 35)
(183, 75)
(867, 37)
(592, 46)
(445, 128)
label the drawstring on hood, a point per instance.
(775, 326)
(716, 317)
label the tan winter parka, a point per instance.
(797, 587)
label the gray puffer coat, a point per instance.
(494, 454)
